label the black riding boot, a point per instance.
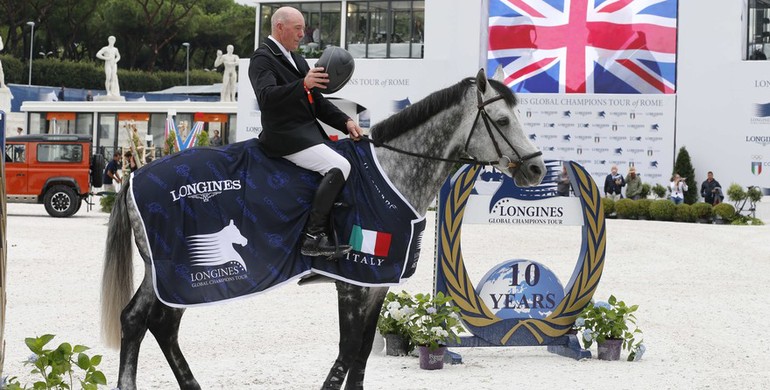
(315, 241)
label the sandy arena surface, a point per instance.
(700, 289)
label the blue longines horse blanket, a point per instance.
(224, 223)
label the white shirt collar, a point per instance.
(284, 51)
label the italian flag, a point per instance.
(370, 241)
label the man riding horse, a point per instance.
(289, 97)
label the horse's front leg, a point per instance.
(359, 308)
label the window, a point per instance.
(322, 25)
(15, 153)
(59, 153)
(758, 46)
(385, 29)
(108, 128)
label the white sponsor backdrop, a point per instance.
(718, 93)
(598, 131)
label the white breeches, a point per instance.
(320, 158)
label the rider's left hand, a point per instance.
(354, 130)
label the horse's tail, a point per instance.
(118, 274)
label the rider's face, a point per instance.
(291, 32)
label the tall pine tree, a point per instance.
(684, 168)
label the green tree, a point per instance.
(684, 168)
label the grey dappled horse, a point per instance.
(473, 118)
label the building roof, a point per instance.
(214, 89)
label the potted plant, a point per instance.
(612, 325)
(433, 322)
(659, 191)
(392, 323)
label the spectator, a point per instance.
(132, 166)
(216, 140)
(111, 173)
(61, 94)
(613, 184)
(19, 131)
(89, 96)
(633, 184)
(711, 191)
(677, 187)
(562, 187)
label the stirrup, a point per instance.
(319, 245)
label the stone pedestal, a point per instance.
(108, 98)
(5, 99)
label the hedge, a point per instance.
(644, 208)
(703, 210)
(662, 210)
(725, 211)
(626, 208)
(684, 213)
(90, 75)
(609, 206)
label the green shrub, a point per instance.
(725, 211)
(643, 206)
(684, 213)
(703, 210)
(662, 210)
(626, 208)
(684, 168)
(14, 69)
(646, 188)
(754, 194)
(746, 220)
(659, 191)
(609, 206)
(90, 75)
(106, 202)
(138, 81)
(736, 193)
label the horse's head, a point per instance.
(497, 134)
(235, 235)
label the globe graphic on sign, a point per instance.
(520, 289)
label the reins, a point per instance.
(481, 113)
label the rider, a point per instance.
(288, 94)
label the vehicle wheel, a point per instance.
(97, 170)
(61, 201)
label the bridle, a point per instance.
(511, 164)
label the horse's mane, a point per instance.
(420, 112)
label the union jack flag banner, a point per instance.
(584, 46)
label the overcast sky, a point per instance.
(246, 2)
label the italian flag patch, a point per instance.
(370, 241)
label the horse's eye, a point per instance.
(504, 121)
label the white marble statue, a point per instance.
(110, 55)
(2, 75)
(230, 77)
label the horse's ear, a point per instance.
(499, 74)
(481, 80)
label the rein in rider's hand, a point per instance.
(316, 78)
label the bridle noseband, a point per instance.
(511, 164)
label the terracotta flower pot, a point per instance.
(395, 345)
(610, 349)
(432, 360)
